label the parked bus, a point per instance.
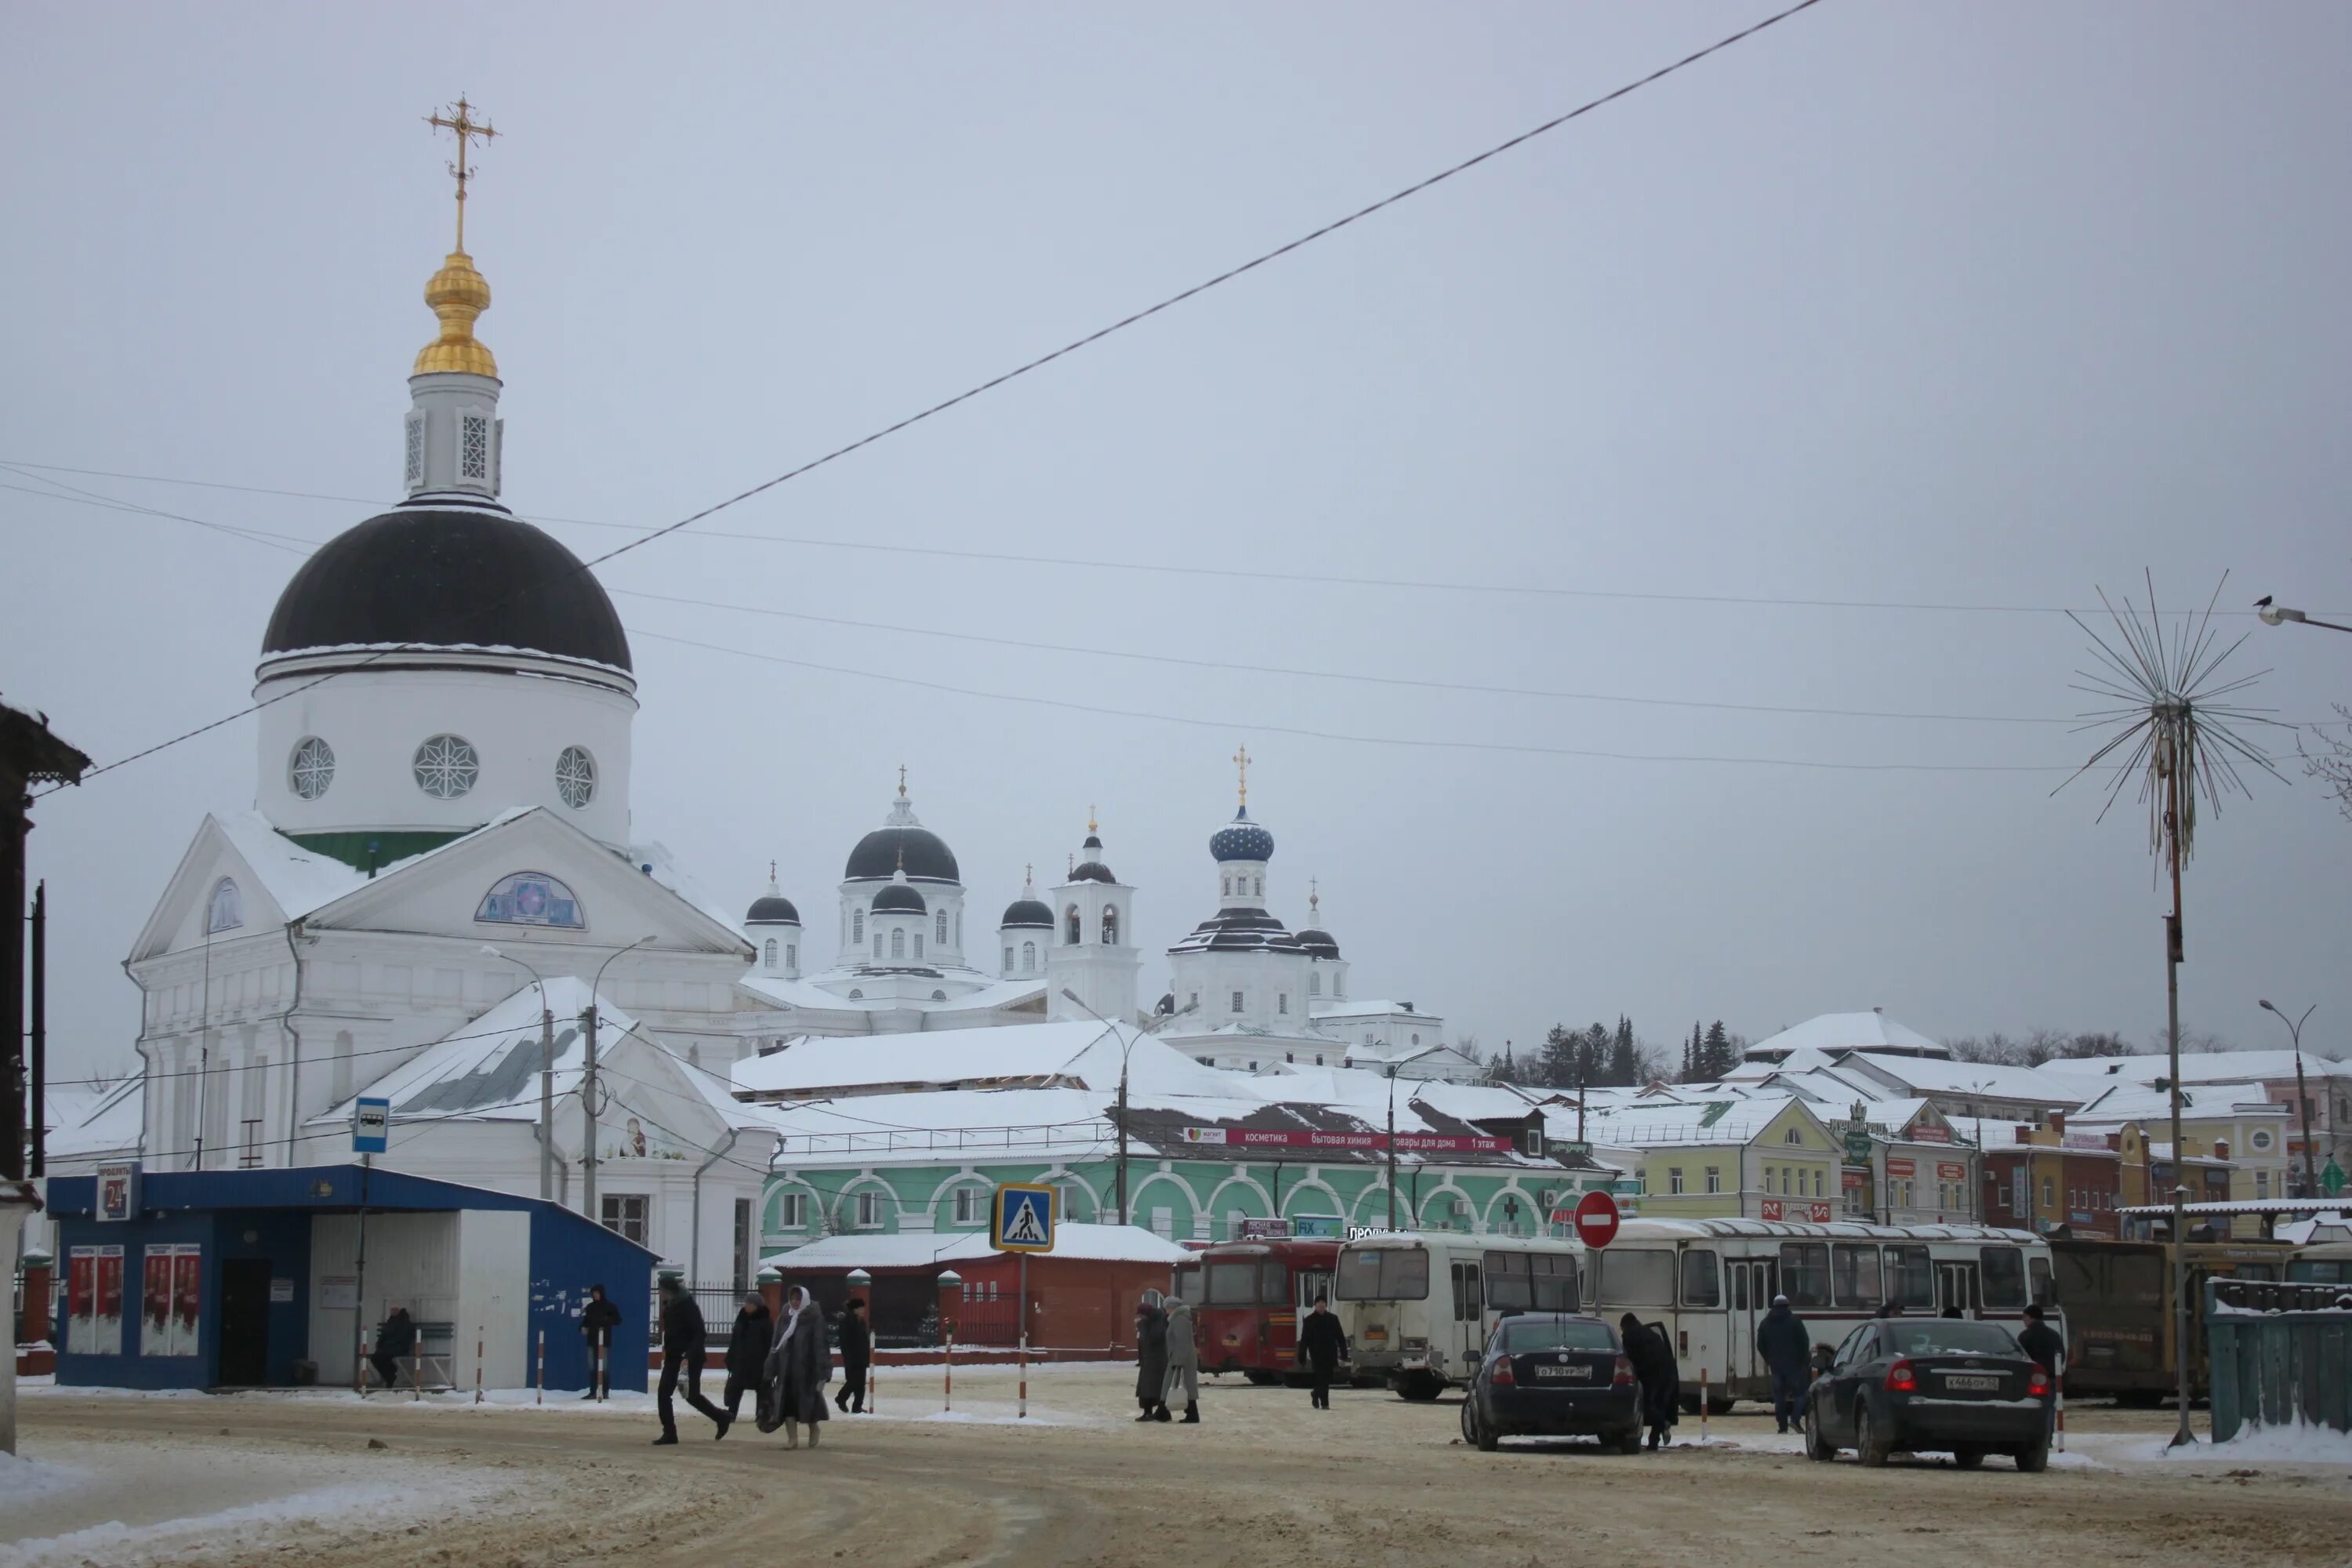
(2117, 1296)
(1247, 1297)
(1708, 1283)
(1417, 1306)
(2323, 1260)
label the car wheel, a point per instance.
(1967, 1456)
(2035, 1459)
(1818, 1446)
(1420, 1387)
(1480, 1431)
(1867, 1443)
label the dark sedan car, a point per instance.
(1944, 1385)
(1553, 1374)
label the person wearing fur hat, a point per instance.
(856, 1357)
(1184, 1361)
(1152, 1357)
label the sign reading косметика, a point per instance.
(1299, 1138)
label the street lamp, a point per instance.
(1125, 1050)
(546, 1077)
(2279, 615)
(588, 1086)
(1400, 1062)
(2294, 1033)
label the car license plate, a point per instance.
(1971, 1383)
(1571, 1372)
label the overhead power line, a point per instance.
(1074, 346)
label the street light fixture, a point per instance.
(2279, 615)
(546, 1076)
(588, 1085)
(2303, 1100)
(1125, 1050)
(1400, 1062)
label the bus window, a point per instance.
(1188, 1283)
(2046, 1289)
(1853, 1273)
(2001, 1276)
(1911, 1279)
(1508, 1287)
(2319, 1271)
(1805, 1273)
(1702, 1286)
(1633, 1277)
(2257, 1271)
(1740, 1289)
(1384, 1274)
(1233, 1284)
(1272, 1283)
(1467, 1307)
(1312, 1282)
(1556, 1281)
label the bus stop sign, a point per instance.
(1596, 1219)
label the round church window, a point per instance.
(447, 766)
(312, 767)
(575, 776)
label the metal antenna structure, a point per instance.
(2173, 728)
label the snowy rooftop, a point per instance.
(1930, 1076)
(1873, 1030)
(2202, 1067)
(1655, 1125)
(2110, 1102)
(1081, 1054)
(916, 1250)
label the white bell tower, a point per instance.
(1093, 952)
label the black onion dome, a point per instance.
(878, 857)
(1319, 942)
(1092, 871)
(1025, 912)
(1092, 842)
(1238, 931)
(772, 910)
(1242, 839)
(447, 579)
(901, 898)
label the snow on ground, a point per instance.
(21, 1480)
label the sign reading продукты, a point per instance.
(1021, 1218)
(371, 1126)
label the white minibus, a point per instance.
(1417, 1306)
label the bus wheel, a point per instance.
(1420, 1387)
(1263, 1378)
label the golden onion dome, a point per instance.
(458, 294)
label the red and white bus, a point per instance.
(1247, 1297)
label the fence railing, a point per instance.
(2280, 1356)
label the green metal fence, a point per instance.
(2281, 1355)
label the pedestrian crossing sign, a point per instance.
(1021, 1219)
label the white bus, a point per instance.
(1417, 1306)
(1708, 1283)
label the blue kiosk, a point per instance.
(261, 1278)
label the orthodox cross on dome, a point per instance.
(1090, 820)
(1241, 761)
(1313, 895)
(902, 780)
(459, 119)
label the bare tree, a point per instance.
(2331, 764)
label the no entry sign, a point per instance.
(1596, 1219)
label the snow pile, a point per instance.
(2305, 1442)
(21, 1480)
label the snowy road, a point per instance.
(1264, 1483)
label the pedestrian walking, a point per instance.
(598, 1318)
(747, 1353)
(1184, 1361)
(1660, 1377)
(1322, 1346)
(797, 1369)
(856, 1357)
(1152, 1358)
(395, 1337)
(1785, 1347)
(2047, 1346)
(685, 1343)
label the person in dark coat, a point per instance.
(685, 1343)
(2042, 1341)
(598, 1318)
(1152, 1358)
(1322, 1346)
(798, 1367)
(746, 1352)
(1785, 1347)
(1661, 1379)
(395, 1337)
(856, 1357)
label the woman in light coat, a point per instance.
(1184, 1361)
(800, 1364)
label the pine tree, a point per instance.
(1693, 1061)
(1624, 1065)
(1556, 1067)
(1717, 1051)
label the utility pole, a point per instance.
(546, 1099)
(588, 1107)
(1122, 1141)
(2171, 764)
(39, 1048)
(2293, 1029)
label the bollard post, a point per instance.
(360, 1361)
(541, 1397)
(1024, 1372)
(947, 1387)
(477, 1363)
(596, 1371)
(417, 1373)
(1702, 1401)
(2058, 1404)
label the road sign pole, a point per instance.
(1024, 1293)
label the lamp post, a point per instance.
(546, 1077)
(2303, 1100)
(1393, 1067)
(588, 1086)
(2279, 615)
(1125, 1051)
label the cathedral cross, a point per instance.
(1241, 761)
(460, 119)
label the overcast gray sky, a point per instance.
(1983, 304)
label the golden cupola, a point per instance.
(457, 295)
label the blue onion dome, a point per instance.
(1241, 839)
(1025, 912)
(772, 910)
(899, 898)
